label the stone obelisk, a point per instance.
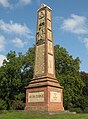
(44, 93)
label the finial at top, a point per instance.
(43, 5)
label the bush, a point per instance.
(77, 110)
(17, 105)
(82, 102)
(86, 110)
(3, 105)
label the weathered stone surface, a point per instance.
(47, 104)
(40, 60)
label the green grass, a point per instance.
(23, 115)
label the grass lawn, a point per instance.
(23, 115)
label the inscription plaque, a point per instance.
(36, 97)
(55, 96)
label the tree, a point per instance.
(84, 77)
(67, 72)
(83, 100)
(28, 66)
(15, 75)
(11, 87)
(17, 71)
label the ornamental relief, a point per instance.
(41, 14)
(40, 35)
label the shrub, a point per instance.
(18, 105)
(3, 105)
(86, 110)
(77, 110)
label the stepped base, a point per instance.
(44, 95)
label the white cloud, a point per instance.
(2, 57)
(85, 41)
(18, 43)
(2, 43)
(5, 3)
(24, 2)
(75, 24)
(17, 28)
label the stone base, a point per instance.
(44, 95)
(50, 112)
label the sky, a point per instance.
(18, 19)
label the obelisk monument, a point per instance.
(44, 93)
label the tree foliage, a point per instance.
(83, 101)
(17, 71)
(67, 72)
(11, 86)
(84, 77)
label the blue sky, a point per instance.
(70, 26)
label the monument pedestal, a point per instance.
(44, 95)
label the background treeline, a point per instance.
(17, 71)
